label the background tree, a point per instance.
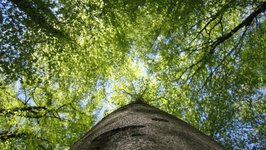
(64, 64)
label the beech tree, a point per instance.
(66, 64)
(140, 126)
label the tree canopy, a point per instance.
(64, 64)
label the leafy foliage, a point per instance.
(65, 64)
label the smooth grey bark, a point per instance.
(139, 126)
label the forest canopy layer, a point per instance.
(64, 64)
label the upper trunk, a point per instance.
(141, 126)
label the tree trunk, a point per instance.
(139, 126)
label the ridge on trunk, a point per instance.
(141, 126)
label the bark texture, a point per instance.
(139, 126)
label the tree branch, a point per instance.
(32, 109)
(260, 8)
(7, 135)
